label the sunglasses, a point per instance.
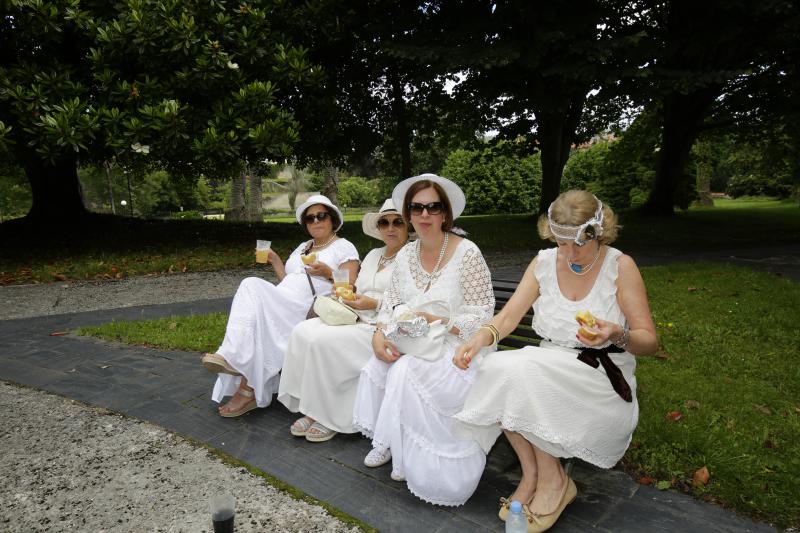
(309, 219)
(397, 223)
(433, 208)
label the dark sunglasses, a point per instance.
(309, 219)
(397, 223)
(433, 208)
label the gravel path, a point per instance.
(69, 467)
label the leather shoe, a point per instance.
(542, 522)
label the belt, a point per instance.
(595, 357)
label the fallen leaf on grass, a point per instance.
(691, 404)
(663, 485)
(674, 416)
(769, 444)
(645, 480)
(701, 477)
(762, 409)
(692, 289)
(60, 277)
(173, 325)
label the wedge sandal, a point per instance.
(214, 362)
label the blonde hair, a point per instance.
(575, 207)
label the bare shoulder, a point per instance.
(626, 264)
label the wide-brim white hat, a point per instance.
(370, 221)
(313, 200)
(454, 193)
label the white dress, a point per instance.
(323, 363)
(560, 404)
(262, 317)
(408, 406)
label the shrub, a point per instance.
(358, 192)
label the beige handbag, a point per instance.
(333, 312)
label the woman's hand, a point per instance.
(605, 331)
(320, 270)
(429, 318)
(383, 348)
(362, 303)
(464, 353)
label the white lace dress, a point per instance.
(262, 317)
(560, 404)
(323, 363)
(408, 406)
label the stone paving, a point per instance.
(171, 389)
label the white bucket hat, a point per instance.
(313, 200)
(453, 192)
(370, 221)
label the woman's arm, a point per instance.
(276, 262)
(632, 300)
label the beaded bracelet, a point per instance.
(624, 339)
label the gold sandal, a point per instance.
(214, 362)
(246, 408)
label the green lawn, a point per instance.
(728, 364)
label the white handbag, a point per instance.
(333, 312)
(412, 335)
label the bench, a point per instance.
(523, 335)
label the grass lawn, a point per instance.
(728, 370)
(107, 247)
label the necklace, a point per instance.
(582, 270)
(385, 260)
(438, 260)
(323, 245)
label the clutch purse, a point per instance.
(413, 335)
(333, 312)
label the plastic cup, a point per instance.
(223, 509)
(262, 251)
(341, 278)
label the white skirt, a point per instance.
(409, 409)
(321, 371)
(561, 405)
(261, 319)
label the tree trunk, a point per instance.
(237, 204)
(556, 132)
(704, 165)
(402, 132)
(55, 190)
(256, 208)
(107, 167)
(682, 116)
(331, 186)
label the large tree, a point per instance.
(197, 86)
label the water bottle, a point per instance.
(516, 521)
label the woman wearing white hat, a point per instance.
(323, 363)
(405, 402)
(263, 315)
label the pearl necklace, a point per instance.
(323, 245)
(383, 261)
(438, 260)
(579, 270)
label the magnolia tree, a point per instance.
(191, 86)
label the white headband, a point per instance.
(591, 229)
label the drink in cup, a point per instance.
(341, 278)
(262, 251)
(222, 512)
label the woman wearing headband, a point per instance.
(322, 365)
(405, 402)
(263, 315)
(573, 396)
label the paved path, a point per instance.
(171, 389)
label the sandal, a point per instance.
(246, 408)
(301, 426)
(214, 362)
(319, 433)
(378, 457)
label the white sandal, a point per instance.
(378, 457)
(301, 426)
(319, 433)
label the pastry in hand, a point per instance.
(345, 293)
(587, 322)
(308, 259)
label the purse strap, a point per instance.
(311, 284)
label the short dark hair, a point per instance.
(420, 185)
(335, 220)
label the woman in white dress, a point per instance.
(263, 315)
(405, 403)
(575, 395)
(322, 364)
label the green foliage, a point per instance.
(358, 192)
(15, 193)
(496, 179)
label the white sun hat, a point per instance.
(313, 200)
(370, 221)
(453, 192)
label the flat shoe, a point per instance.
(246, 408)
(377, 457)
(301, 426)
(319, 433)
(542, 522)
(214, 362)
(505, 507)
